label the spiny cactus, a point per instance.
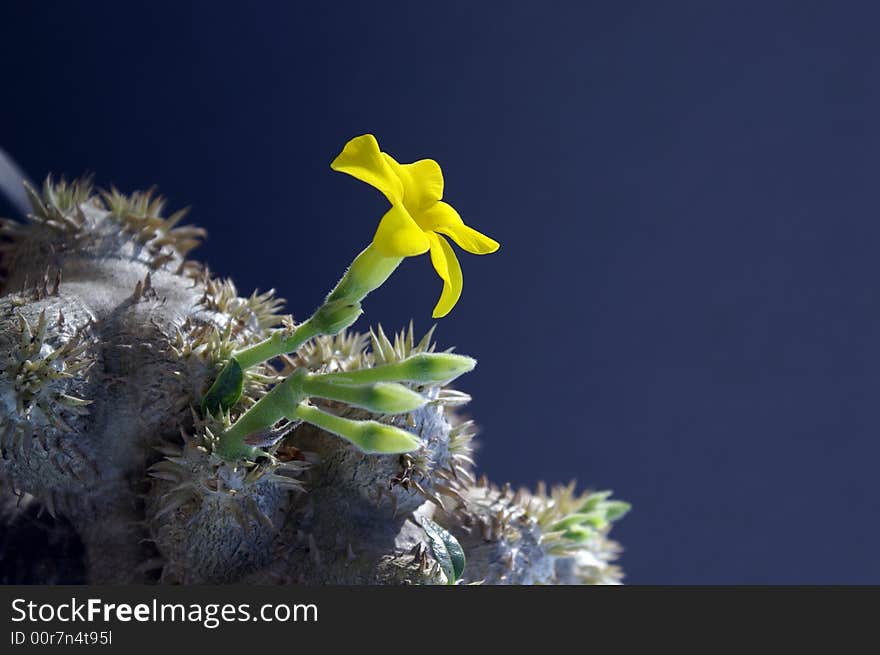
(176, 432)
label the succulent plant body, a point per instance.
(122, 463)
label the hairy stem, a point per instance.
(341, 308)
(279, 403)
(277, 344)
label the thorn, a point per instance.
(450, 491)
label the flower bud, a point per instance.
(380, 397)
(391, 398)
(386, 439)
(436, 368)
(371, 437)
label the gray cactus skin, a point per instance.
(110, 336)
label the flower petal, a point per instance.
(441, 217)
(398, 235)
(446, 264)
(422, 182)
(362, 159)
(469, 239)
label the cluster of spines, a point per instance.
(452, 480)
(214, 345)
(449, 478)
(345, 351)
(348, 351)
(552, 508)
(57, 209)
(412, 474)
(194, 471)
(61, 198)
(497, 513)
(59, 453)
(38, 376)
(33, 372)
(500, 508)
(140, 215)
(59, 206)
(423, 562)
(259, 311)
(562, 504)
(49, 286)
(236, 322)
(385, 351)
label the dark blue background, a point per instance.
(684, 305)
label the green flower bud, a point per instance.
(424, 368)
(378, 437)
(438, 368)
(371, 437)
(380, 397)
(391, 398)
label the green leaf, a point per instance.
(579, 533)
(447, 551)
(226, 390)
(616, 509)
(573, 520)
(594, 500)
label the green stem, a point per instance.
(325, 420)
(394, 372)
(281, 402)
(340, 309)
(380, 397)
(277, 344)
(367, 272)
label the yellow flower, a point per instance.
(418, 218)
